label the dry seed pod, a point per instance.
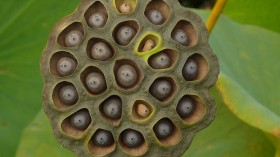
(148, 83)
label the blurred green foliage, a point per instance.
(248, 116)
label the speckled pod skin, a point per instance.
(80, 141)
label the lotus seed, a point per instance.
(160, 61)
(180, 36)
(161, 89)
(132, 138)
(95, 82)
(125, 8)
(126, 76)
(142, 110)
(163, 129)
(125, 34)
(185, 107)
(97, 20)
(155, 17)
(112, 108)
(190, 70)
(66, 66)
(73, 38)
(80, 120)
(149, 45)
(68, 95)
(103, 138)
(101, 51)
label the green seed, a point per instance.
(73, 38)
(103, 138)
(80, 120)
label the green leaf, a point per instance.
(250, 66)
(261, 13)
(38, 140)
(24, 30)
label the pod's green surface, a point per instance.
(183, 129)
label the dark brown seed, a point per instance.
(163, 129)
(190, 70)
(96, 83)
(80, 120)
(103, 138)
(126, 76)
(185, 107)
(132, 138)
(161, 89)
(68, 95)
(112, 107)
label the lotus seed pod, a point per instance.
(96, 82)
(163, 129)
(97, 20)
(112, 108)
(80, 120)
(143, 110)
(190, 70)
(125, 8)
(180, 36)
(125, 34)
(101, 51)
(155, 17)
(132, 138)
(120, 72)
(73, 38)
(68, 95)
(126, 76)
(160, 61)
(185, 107)
(149, 45)
(161, 89)
(103, 138)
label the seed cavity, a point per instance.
(190, 70)
(73, 38)
(185, 107)
(103, 138)
(97, 20)
(68, 95)
(80, 120)
(132, 138)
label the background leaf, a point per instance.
(24, 30)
